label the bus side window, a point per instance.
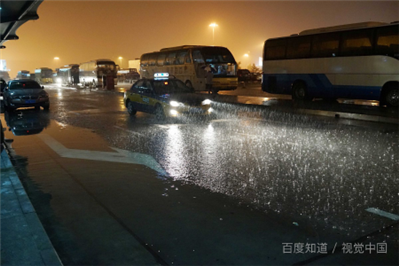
(387, 42)
(197, 57)
(325, 45)
(180, 57)
(275, 49)
(171, 59)
(161, 59)
(357, 42)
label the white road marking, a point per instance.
(383, 213)
(120, 156)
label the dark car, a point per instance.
(165, 97)
(25, 93)
(3, 85)
(243, 75)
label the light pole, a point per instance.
(213, 25)
(120, 61)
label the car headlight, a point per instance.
(175, 104)
(206, 102)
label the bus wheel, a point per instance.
(159, 113)
(391, 97)
(130, 108)
(299, 91)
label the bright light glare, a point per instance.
(56, 58)
(58, 80)
(246, 55)
(174, 104)
(161, 75)
(173, 112)
(213, 25)
(206, 102)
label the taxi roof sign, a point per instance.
(161, 75)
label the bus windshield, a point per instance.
(217, 55)
(220, 59)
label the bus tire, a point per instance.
(299, 91)
(390, 96)
(159, 113)
(130, 108)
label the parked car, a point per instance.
(165, 97)
(25, 93)
(243, 75)
(3, 85)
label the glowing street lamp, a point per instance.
(213, 25)
(120, 61)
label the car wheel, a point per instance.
(159, 113)
(391, 97)
(130, 108)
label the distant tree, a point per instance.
(239, 65)
(254, 69)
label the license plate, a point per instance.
(30, 101)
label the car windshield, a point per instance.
(29, 84)
(169, 87)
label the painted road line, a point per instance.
(120, 156)
(383, 213)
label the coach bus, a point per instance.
(95, 72)
(43, 75)
(356, 61)
(187, 63)
(68, 75)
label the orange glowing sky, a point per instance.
(79, 31)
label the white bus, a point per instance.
(187, 63)
(356, 61)
(95, 72)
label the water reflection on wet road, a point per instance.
(315, 172)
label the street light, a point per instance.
(213, 25)
(120, 61)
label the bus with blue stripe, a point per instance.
(354, 61)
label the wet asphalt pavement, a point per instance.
(240, 189)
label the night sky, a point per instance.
(79, 31)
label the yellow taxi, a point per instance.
(165, 97)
